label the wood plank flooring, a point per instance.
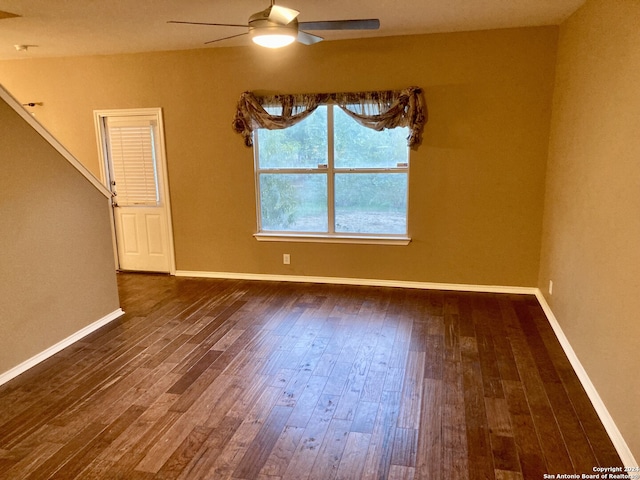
(225, 379)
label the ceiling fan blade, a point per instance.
(307, 38)
(226, 38)
(365, 24)
(282, 15)
(7, 15)
(213, 24)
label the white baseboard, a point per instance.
(619, 443)
(361, 281)
(33, 361)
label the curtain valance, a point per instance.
(376, 110)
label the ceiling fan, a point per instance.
(278, 26)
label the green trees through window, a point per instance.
(330, 175)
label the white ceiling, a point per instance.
(87, 27)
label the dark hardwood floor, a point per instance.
(219, 379)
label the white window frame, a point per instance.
(330, 171)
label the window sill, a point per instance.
(319, 238)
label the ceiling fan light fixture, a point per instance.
(276, 36)
(273, 40)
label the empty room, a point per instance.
(400, 242)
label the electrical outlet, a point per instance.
(286, 258)
(550, 287)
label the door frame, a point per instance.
(99, 117)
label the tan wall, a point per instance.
(56, 260)
(476, 188)
(592, 213)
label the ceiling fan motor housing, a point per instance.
(260, 23)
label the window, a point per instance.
(133, 164)
(329, 177)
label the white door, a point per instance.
(135, 172)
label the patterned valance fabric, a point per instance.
(376, 110)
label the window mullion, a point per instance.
(330, 172)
